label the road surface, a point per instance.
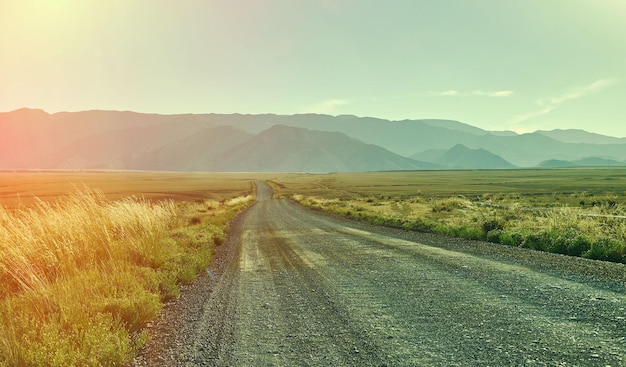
(297, 287)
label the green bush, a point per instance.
(495, 235)
(537, 241)
(512, 238)
(490, 225)
(394, 222)
(577, 246)
(608, 250)
(419, 225)
(470, 233)
(441, 229)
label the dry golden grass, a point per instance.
(21, 188)
(81, 276)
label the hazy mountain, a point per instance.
(586, 162)
(454, 126)
(598, 162)
(201, 151)
(429, 155)
(112, 149)
(462, 157)
(581, 136)
(555, 163)
(410, 136)
(283, 148)
(24, 138)
(34, 139)
(520, 150)
(399, 137)
(112, 139)
(528, 150)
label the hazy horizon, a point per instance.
(520, 66)
(302, 113)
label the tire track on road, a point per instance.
(287, 316)
(303, 288)
(415, 304)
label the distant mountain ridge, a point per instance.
(293, 149)
(462, 157)
(586, 162)
(581, 136)
(306, 143)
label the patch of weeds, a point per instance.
(449, 204)
(491, 225)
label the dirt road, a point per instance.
(296, 287)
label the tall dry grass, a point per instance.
(80, 278)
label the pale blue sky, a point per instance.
(496, 64)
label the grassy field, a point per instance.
(20, 188)
(578, 212)
(84, 268)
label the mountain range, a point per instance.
(34, 139)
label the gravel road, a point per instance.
(296, 287)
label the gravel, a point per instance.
(296, 287)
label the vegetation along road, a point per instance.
(296, 287)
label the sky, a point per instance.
(518, 65)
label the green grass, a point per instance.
(577, 212)
(81, 277)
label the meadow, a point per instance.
(577, 212)
(88, 259)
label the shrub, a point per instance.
(393, 222)
(490, 225)
(419, 225)
(495, 235)
(578, 246)
(608, 250)
(468, 232)
(537, 241)
(441, 229)
(511, 238)
(449, 204)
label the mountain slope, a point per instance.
(291, 149)
(112, 149)
(35, 139)
(399, 137)
(462, 157)
(586, 162)
(429, 155)
(201, 151)
(576, 136)
(24, 138)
